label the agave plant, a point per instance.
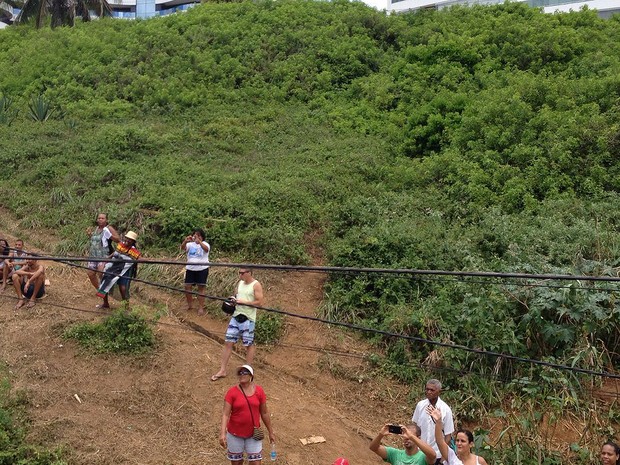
(7, 115)
(62, 12)
(40, 109)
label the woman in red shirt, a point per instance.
(244, 406)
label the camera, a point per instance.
(395, 429)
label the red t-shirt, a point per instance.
(240, 422)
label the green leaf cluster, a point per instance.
(269, 328)
(123, 332)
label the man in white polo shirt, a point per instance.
(426, 422)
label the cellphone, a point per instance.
(395, 429)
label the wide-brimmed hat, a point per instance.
(131, 235)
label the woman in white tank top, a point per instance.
(464, 446)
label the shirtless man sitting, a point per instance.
(29, 282)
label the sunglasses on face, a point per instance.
(244, 372)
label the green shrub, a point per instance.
(269, 327)
(123, 332)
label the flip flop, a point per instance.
(30, 304)
(216, 377)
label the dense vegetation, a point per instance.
(481, 138)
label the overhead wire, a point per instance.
(384, 333)
(351, 270)
(430, 275)
(325, 350)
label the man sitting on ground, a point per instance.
(29, 282)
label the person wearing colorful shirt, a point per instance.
(123, 267)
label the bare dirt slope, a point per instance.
(163, 408)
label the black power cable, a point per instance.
(67, 260)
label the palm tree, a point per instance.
(62, 12)
(6, 9)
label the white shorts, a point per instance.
(237, 445)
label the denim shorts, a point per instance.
(237, 445)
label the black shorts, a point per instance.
(27, 293)
(197, 277)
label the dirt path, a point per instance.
(162, 408)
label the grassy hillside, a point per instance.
(483, 138)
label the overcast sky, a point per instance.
(378, 4)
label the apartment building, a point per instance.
(605, 8)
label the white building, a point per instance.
(148, 8)
(132, 9)
(605, 8)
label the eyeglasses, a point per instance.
(243, 372)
